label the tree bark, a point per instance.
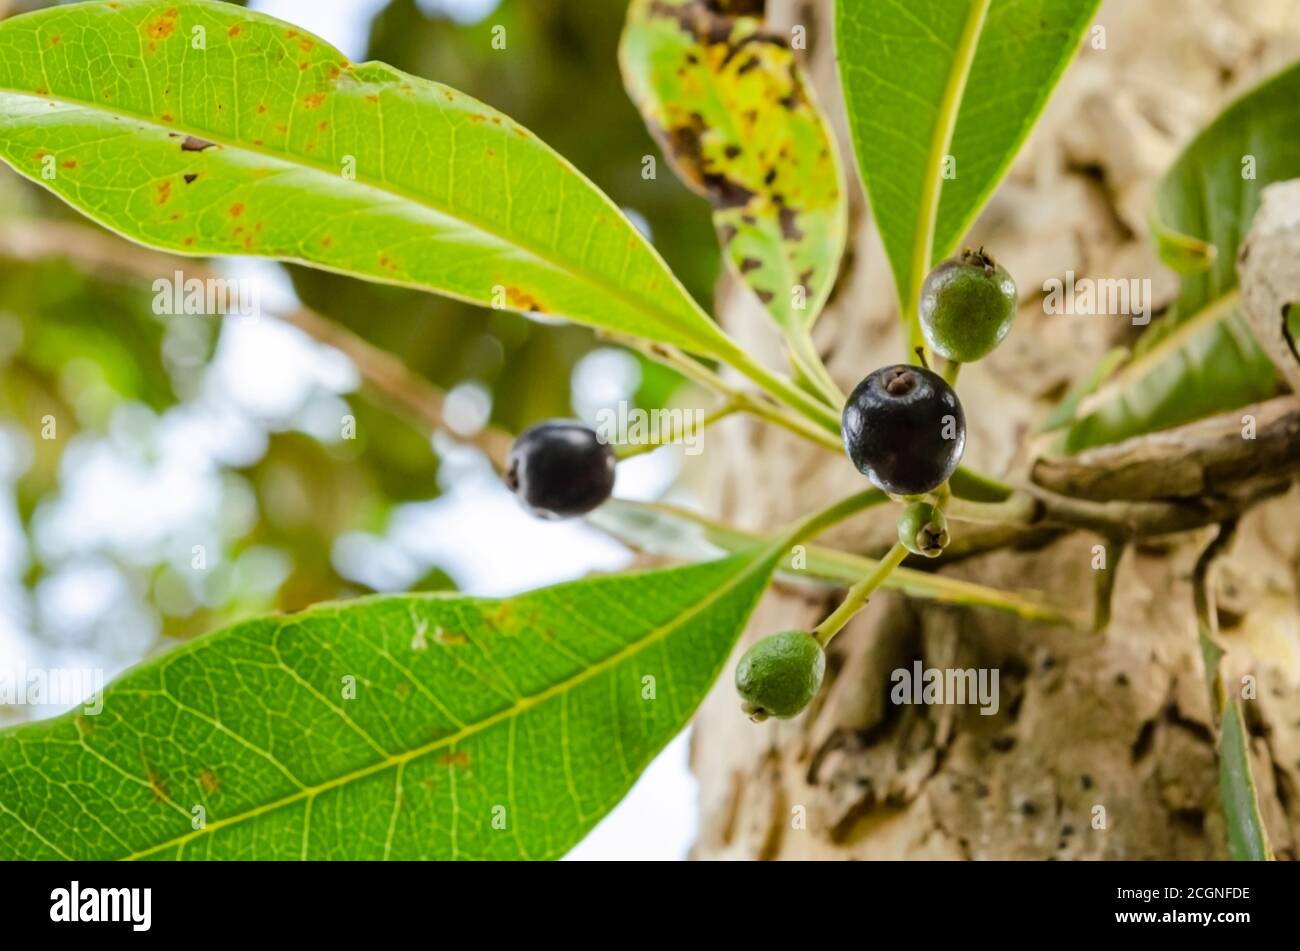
(1102, 745)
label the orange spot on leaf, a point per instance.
(233, 32)
(164, 26)
(236, 209)
(208, 781)
(70, 163)
(314, 100)
(164, 192)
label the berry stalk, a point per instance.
(859, 595)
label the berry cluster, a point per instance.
(903, 428)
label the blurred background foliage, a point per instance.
(196, 471)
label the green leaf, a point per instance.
(930, 80)
(669, 531)
(1247, 840)
(469, 714)
(1062, 413)
(1201, 358)
(206, 129)
(738, 120)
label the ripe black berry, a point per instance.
(904, 429)
(967, 305)
(560, 469)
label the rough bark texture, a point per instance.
(1117, 720)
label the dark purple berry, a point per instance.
(904, 429)
(560, 469)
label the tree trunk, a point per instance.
(1102, 745)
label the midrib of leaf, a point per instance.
(1212, 313)
(759, 560)
(932, 186)
(716, 345)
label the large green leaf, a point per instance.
(1201, 358)
(925, 80)
(739, 122)
(205, 129)
(479, 728)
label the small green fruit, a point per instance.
(923, 530)
(967, 305)
(780, 675)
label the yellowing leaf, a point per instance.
(738, 120)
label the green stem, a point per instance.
(818, 522)
(784, 391)
(950, 370)
(756, 404)
(631, 450)
(859, 595)
(805, 359)
(1018, 509)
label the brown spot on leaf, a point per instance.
(306, 45)
(314, 100)
(55, 40)
(188, 241)
(164, 192)
(476, 118)
(189, 177)
(166, 117)
(208, 781)
(261, 108)
(233, 32)
(156, 786)
(164, 26)
(70, 163)
(750, 264)
(449, 638)
(789, 230)
(522, 300)
(193, 143)
(459, 758)
(84, 726)
(326, 241)
(236, 209)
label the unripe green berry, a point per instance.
(780, 675)
(967, 305)
(923, 530)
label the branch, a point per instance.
(1203, 458)
(383, 375)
